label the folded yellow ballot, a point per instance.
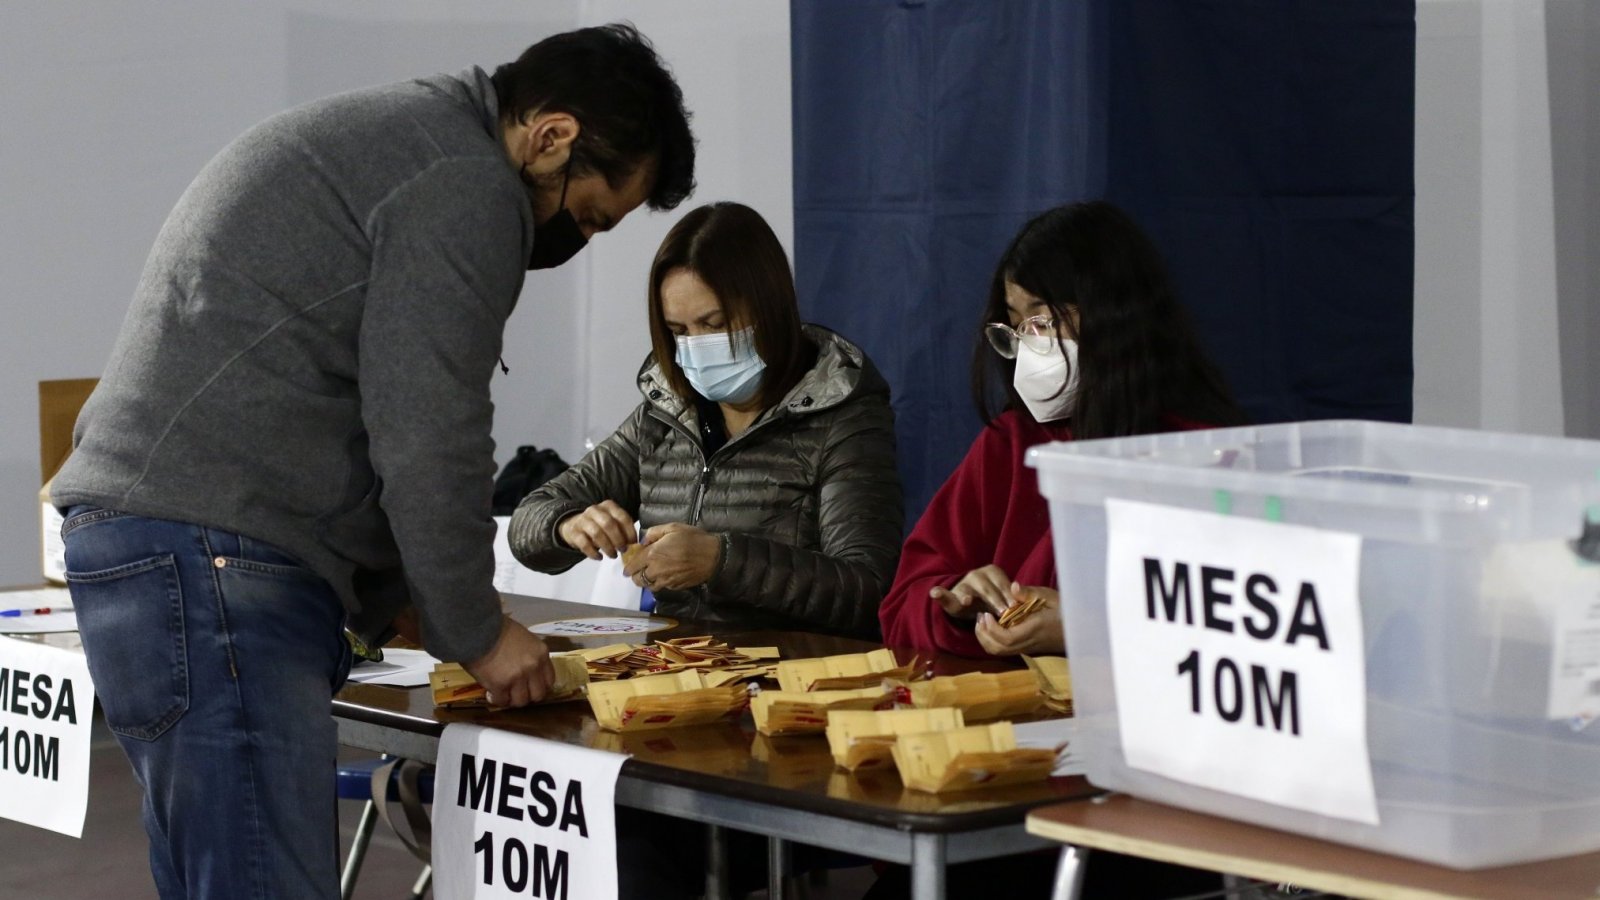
(664, 701)
(976, 756)
(981, 696)
(845, 672)
(1055, 681)
(794, 712)
(454, 687)
(862, 740)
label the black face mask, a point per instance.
(559, 238)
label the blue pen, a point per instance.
(41, 611)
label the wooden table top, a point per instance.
(1123, 824)
(729, 759)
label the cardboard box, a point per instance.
(59, 404)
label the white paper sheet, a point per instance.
(44, 735)
(1239, 658)
(400, 668)
(517, 816)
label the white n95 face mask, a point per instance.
(723, 368)
(1048, 382)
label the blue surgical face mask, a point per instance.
(723, 368)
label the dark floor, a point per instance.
(110, 859)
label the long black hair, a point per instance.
(1139, 358)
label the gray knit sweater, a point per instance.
(308, 353)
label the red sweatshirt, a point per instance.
(988, 512)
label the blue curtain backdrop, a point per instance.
(1265, 144)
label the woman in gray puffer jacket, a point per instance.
(761, 464)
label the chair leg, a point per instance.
(424, 881)
(1069, 873)
(358, 850)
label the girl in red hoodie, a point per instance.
(1083, 330)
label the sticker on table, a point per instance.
(602, 625)
(1238, 656)
(46, 704)
(519, 816)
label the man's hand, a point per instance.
(603, 529)
(988, 588)
(1040, 632)
(676, 557)
(516, 671)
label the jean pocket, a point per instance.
(131, 619)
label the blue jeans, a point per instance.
(214, 658)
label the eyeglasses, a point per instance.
(1037, 333)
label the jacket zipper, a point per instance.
(700, 485)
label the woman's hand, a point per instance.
(988, 588)
(604, 529)
(1040, 632)
(675, 557)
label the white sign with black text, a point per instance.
(1238, 656)
(46, 705)
(517, 816)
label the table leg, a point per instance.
(716, 863)
(928, 854)
(1069, 873)
(777, 868)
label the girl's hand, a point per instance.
(1038, 633)
(988, 588)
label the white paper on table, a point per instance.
(1238, 656)
(66, 620)
(518, 816)
(399, 668)
(37, 598)
(44, 735)
(1053, 734)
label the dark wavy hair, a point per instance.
(629, 109)
(734, 251)
(1139, 357)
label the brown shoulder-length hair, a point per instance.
(733, 250)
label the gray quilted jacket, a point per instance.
(807, 497)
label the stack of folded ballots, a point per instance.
(673, 700)
(976, 756)
(455, 688)
(850, 671)
(981, 696)
(806, 712)
(866, 739)
(723, 664)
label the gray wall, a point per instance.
(110, 107)
(1508, 210)
(1573, 28)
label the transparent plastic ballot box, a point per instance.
(1478, 600)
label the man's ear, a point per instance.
(550, 139)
